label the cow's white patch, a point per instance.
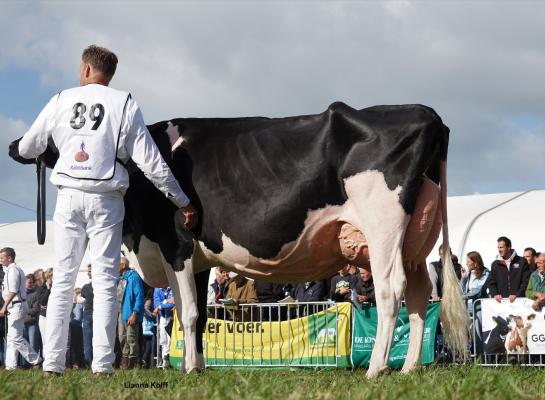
(149, 262)
(174, 136)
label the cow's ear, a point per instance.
(14, 153)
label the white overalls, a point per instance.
(94, 127)
(14, 281)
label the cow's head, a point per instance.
(502, 325)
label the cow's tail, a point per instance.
(454, 317)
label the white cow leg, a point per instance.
(389, 280)
(185, 293)
(416, 296)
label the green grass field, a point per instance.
(454, 382)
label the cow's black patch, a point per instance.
(255, 179)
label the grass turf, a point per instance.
(453, 382)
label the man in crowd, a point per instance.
(131, 291)
(87, 319)
(343, 283)
(435, 272)
(14, 295)
(242, 291)
(96, 130)
(366, 289)
(509, 273)
(309, 292)
(218, 289)
(32, 330)
(163, 303)
(530, 255)
(536, 284)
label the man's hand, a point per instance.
(191, 216)
(362, 298)
(498, 298)
(512, 298)
(2, 311)
(132, 319)
(156, 310)
(170, 300)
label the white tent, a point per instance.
(475, 222)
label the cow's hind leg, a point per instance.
(416, 296)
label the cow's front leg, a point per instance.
(182, 280)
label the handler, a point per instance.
(96, 130)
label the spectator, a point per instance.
(163, 303)
(509, 273)
(457, 266)
(365, 289)
(149, 328)
(32, 329)
(530, 255)
(268, 292)
(44, 299)
(218, 289)
(435, 272)
(132, 313)
(14, 295)
(536, 284)
(343, 283)
(242, 291)
(310, 292)
(74, 348)
(87, 318)
(474, 279)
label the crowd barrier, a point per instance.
(508, 333)
(323, 334)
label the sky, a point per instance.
(479, 64)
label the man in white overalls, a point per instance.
(14, 294)
(96, 130)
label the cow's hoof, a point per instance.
(376, 372)
(195, 370)
(408, 370)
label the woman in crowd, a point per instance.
(474, 285)
(44, 298)
(474, 279)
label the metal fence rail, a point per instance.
(272, 335)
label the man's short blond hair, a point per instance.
(101, 59)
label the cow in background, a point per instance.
(292, 200)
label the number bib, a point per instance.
(88, 123)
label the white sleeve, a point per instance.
(34, 141)
(144, 152)
(13, 281)
(433, 278)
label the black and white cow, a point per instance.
(292, 199)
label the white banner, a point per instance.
(512, 328)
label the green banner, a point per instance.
(365, 330)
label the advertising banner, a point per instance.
(321, 339)
(512, 328)
(365, 331)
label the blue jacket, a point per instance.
(159, 297)
(133, 296)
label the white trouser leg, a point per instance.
(105, 214)
(70, 243)
(16, 343)
(164, 338)
(41, 324)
